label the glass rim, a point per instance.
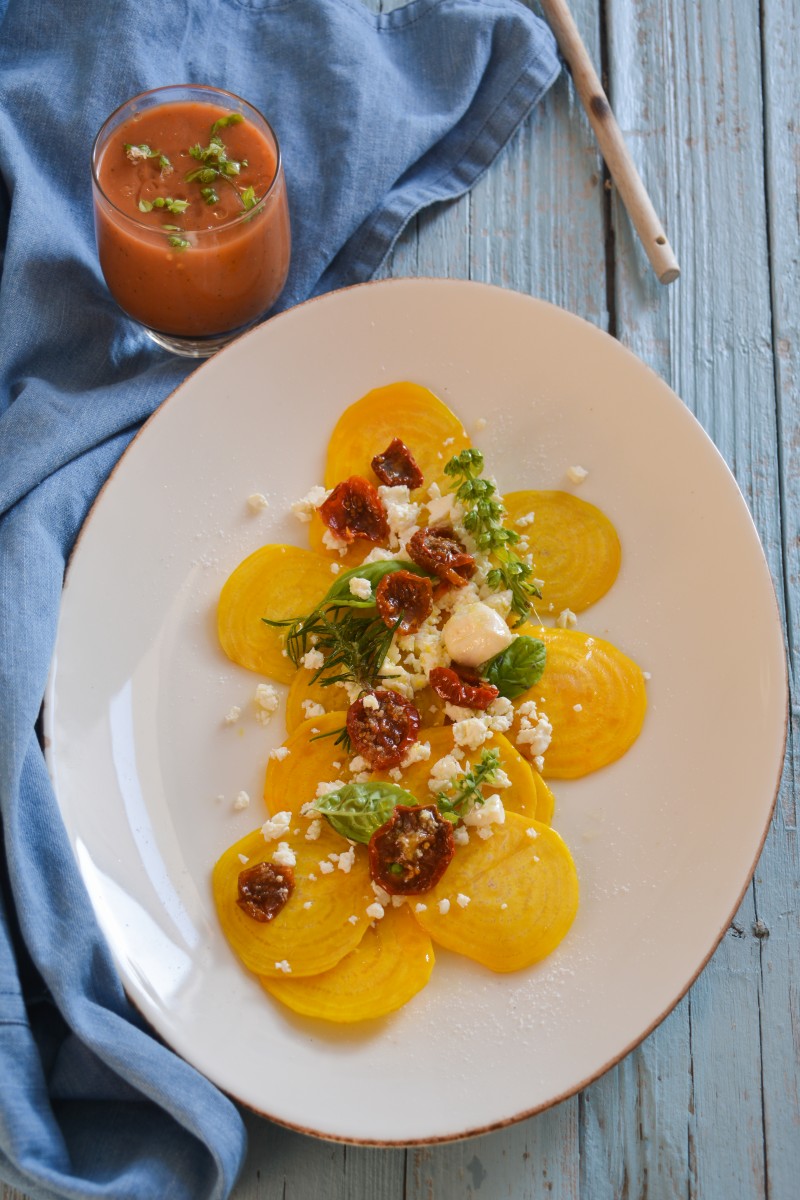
(178, 87)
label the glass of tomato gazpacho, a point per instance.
(191, 215)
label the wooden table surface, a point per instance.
(706, 92)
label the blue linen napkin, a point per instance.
(378, 115)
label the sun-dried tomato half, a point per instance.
(403, 592)
(264, 889)
(411, 852)
(381, 726)
(354, 510)
(440, 551)
(455, 690)
(396, 466)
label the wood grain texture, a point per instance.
(706, 94)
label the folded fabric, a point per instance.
(378, 115)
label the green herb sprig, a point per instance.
(468, 789)
(217, 167)
(167, 202)
(135, 153)
(483, 519)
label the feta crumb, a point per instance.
(531, 832)
(358, 764)
(283, 966)
(257, 502)
(313, 660)
(396, 774)
(307, 903)
(471, 733)
(331, 542)
(314, 830)
(420, 907)
(443, 772)
(361, 588)
(266, 698)
(577, 474)
(491, 812)
(503, 906)
(535, 737)
(312, 709)
(279, 753)
(461, 835)
(284, 856)
(371, 702)
(375, 911)
(525, 521)
(566, 619)
(243, 859)
(462, 901)
(381, 895)
(276, 826)
(324, 788)
(485, 832)
(577, 708)
(353, 919)
(327, 868)
(233, 714)
(416, 752)
(444, 906)
(241, 802)
(347, 859)
(304, 509)
(336, 568)
(313, 878)
(646, 675)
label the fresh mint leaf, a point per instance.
(516, 668)
(358, 809)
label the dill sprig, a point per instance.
(483, 520)
(468, 791)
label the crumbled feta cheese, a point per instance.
(283, 966)
(346, 860)
(440, 510)
(304, 509)
(257, 502)
(416, 752)
(243, 859)
(353, 919)
(314, 830)
(535, 737)
(471, 733)
(531, 832)
(375, 911)
(324, 788)
(503, 906)
(646, 675)
(500, 715)
(276, 826)
(485, 832)
(358, 764)
(284, 856)
(420, 908)
(266, 698)
(475, 633)
(327, 868)
(313, 660)
(312, 709)
(381, 894)
(566, 619)
(241, 801)
(444, 906)
(462, 901)
(371, 702)
(577, 474)
(361, 588)
(443, 772)
(401, 514)
(308, 809)
(491, 812)
(377, 554)
(280, 753)
(396, 774)
(331, 542)
(525, 521)
(461, 835)
(233, 714)
(577, 708)
(336, 567)
(307, 903)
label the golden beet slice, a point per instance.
(403, 410)
(575, 547)
(292, 781)
(302, 691)
(392, 962)
(545, 800)
(313, 931)
(594, 697)
(519, 896)
(275, 581)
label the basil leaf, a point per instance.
(358, 809)
(340, 593)
(516, 668)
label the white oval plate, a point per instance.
(146, 770)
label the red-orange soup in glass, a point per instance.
(191, 215)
